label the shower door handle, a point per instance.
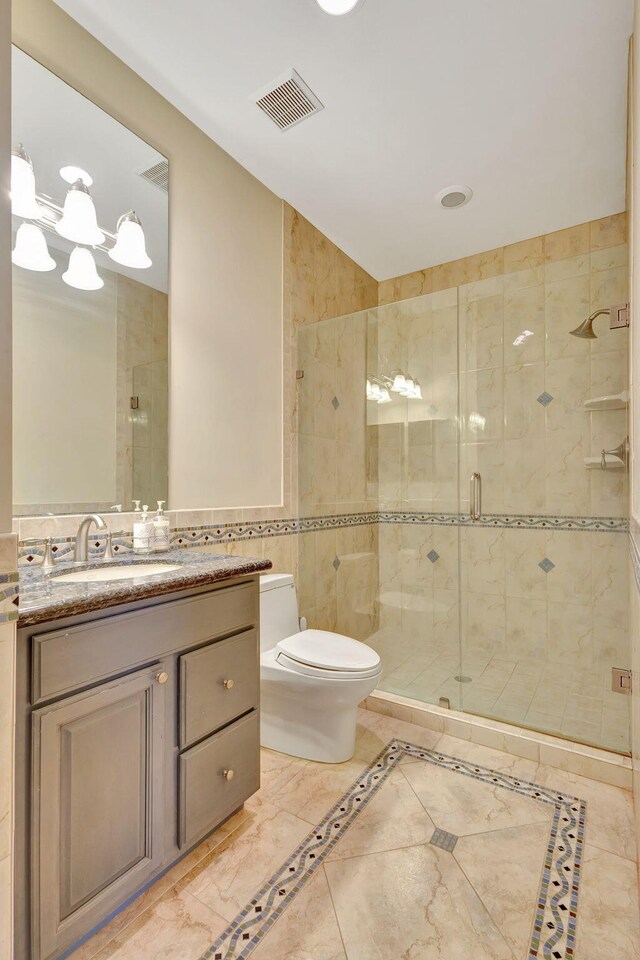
(475, 497)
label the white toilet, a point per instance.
(311, 681)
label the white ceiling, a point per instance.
(523, 100)
(58, 126)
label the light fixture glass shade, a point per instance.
(81, 272)
(79, 223)
(130, 248)
(31, 251)
(23, 186)
(385, 396)
(417, 390)
(408, 389)
(399, 383)
(337, 8)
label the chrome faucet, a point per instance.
(82, 536)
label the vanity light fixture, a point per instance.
(31, 251)
(81, 272)
(338, 8)
(23, 186)
(79, 223)
(70, 174)
(130, 248)
(399, 383)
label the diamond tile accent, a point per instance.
(546, 565)
(545, 399)
(446, 841)
(335, 403)
(433, 555)
(336, 563)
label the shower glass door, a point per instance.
(417, 453)
(544, 581)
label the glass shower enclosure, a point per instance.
(455, 513)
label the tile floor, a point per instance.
(526, 691)
(439, 863)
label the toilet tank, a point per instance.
(278, 609)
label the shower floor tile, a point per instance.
(529, 692)
(424, 846)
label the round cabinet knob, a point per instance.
(228, 774)
(228, 684)
(162, 677)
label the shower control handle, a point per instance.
(475, 497)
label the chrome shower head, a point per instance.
(585, 330)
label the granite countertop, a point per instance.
(42, 599)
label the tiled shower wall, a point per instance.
(523, 384)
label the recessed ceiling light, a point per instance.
(338, 8)
(71, 174)
(452, 197)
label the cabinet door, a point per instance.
(98, 784)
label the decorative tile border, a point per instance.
(554, 928)
(265, 529)
(509, 521)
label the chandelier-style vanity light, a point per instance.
(379, 389)
(76, 221)
(130, 248)
(23, 186)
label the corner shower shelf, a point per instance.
(613, 463)
(616, 401)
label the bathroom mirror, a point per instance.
(90, 306)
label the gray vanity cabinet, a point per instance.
(98, 774)
(137, 734)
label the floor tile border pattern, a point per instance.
(554, 928)
(265, 529)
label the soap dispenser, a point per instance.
(161, 529)
(143, 532)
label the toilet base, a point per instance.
(322, 735)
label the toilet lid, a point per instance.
(329, 651)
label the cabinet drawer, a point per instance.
(217, 684)
(206, 796)
(64, 660)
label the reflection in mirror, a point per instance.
(90, 308)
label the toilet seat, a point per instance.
(320, 653)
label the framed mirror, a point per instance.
(90, 227)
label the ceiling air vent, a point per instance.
(288, 100)
(158, 175)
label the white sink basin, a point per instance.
(129, 572)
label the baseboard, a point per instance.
(602, 765)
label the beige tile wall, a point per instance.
(338, 568)
(531, 457)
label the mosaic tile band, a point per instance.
(554, 928)
(265, 529)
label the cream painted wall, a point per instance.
(8, 560)
(5, 268)
(634, 201)
(225, 279)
